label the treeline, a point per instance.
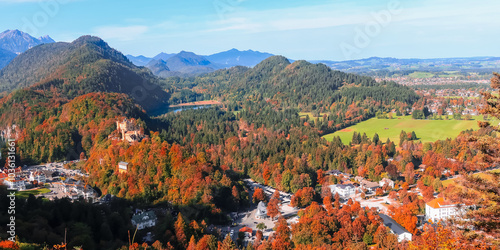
(83, 224)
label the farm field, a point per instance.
(426, 130)
(421, 75)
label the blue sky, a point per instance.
(313, 29)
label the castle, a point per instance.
(130, 132)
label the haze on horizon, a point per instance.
(313, 30)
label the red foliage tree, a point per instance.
(258, 195)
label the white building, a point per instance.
(144, 220)
(440, 209)
(16, 184)
(396, 229)
(38, 176)
(369, 185)
(384, 181)
(261, 211)
(75, 189)
(122, 167)
(344, 191)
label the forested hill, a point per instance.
(298, 85)
(84, 66)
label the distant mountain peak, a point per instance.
(89, 39)
(186, 53)
(235, 57)
(17, 41)
(139, 60)
(46, 39)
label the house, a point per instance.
(422, 167)
(122, 167)
(345, 191)
(396, 229)
(38, 176)
(144, 220)
(107, 198)
(76, 189)
(385, 181)
(16, 183)
(334, 172)
(359, 179)
(441, 209)
(3, 176)
(371, 186)
(261, 211)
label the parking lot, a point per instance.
(247, 218)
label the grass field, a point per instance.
(426, 130)
(26, 194)
(421, 75)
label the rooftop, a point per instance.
(344, 186)
(261, 209)
(144, 217)
(393, 225)
(439, 202)
(369, 184)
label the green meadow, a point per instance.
(426, 130)
(26, 194)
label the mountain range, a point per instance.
(190, 64)
(15, 42)
(369, 66)
(301, 84)
(83, 66)
(187, 64)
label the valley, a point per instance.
(267, 153)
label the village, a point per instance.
(68, 183)
(51, 181)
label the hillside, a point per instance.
(5, 57)
(301, 85)
(50, 129)
(86, 65)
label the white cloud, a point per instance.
(125, 33)
(335, 14)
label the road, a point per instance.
(247, 218)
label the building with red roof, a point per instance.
(441, 209)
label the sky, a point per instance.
(311, 30)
